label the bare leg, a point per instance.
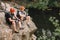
(27, 19)
(19, 24)
(22, 18)
(14, 26)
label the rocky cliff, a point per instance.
(6, 33)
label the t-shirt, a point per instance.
(21, 13)
(7, 16)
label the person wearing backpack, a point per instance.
(22, 15)
(11, 19)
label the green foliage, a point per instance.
(43, 37)
(56, 4)
(46, 35)
(55, 22)
(40, 4)
(44, 4)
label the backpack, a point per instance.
(18, 14)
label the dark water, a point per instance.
(41, 18)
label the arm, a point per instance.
(17, 18)
(11, 19)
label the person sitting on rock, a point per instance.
(21, 14)
(11, 19)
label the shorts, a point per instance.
(9, 22)
(24, 18)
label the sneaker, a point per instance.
(16, 32)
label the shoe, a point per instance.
(21, 28)
(16, 32)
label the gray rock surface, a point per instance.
(25, 34)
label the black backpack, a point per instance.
(18, 14)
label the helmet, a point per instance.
(12, 10)
(22, 7)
